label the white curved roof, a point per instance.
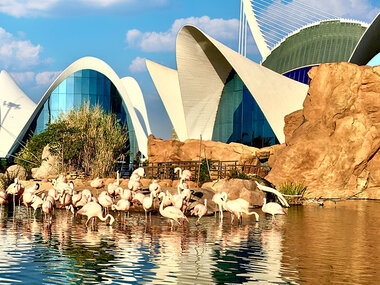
(166, 81)
(137, 99)
(101, 67)
(203, 67)
(15, 110)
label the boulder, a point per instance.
(17, 171)
(49, 166)
(238, 188)
(334, 150)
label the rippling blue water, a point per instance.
(334, 244)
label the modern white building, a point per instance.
(87, 79)
(223, 96)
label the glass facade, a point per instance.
(300, 74)
(239, 118)
(90, 86)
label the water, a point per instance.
(330, 245)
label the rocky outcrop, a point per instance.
(238, 188)
(332, 145)
(17, 171)
(49, 166)
(173, 150)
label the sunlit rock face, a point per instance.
(332, 146)
(173, 150)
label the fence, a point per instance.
(217, 169)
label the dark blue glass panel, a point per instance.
(299, 75)
(239, 118)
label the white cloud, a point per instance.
(23, 77)
(51, 8)
(16, 53)
(165, 41)
(46, 78)
(138, 65)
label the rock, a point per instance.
(173, 150)
(49, 166)
(335, 150)
(292, 122)
(238, 188)
(17, 171)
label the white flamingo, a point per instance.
(171, 212)
(273, 209)
(237, 207)
(93, 210)
(217, 199)
(113, 186)
(148, 204)
(199, 210)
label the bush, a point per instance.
(292, 188)
(204, 174)
(86, 139)
(234, 173)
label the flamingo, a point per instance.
(36, 203)
(139, 171)
(47, 208)
(138, 198)
(97, 183)
(273, 209)
(171, 212)
(3, 198)
(16, 188)
(93, 210)
(113, 186)
(28, 195)
(168, 199)
(105, 200)
(126, 194)
(155, 187)
(199, 210)
(217, 199)
(122, 206)
(237, 207)
(66, 200)
(148, 204)
(134, 183)
(177, 199)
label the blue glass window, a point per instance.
(239, 118)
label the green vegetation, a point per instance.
(204, 173)
(234, 173)
(86, 139)
(292, 188)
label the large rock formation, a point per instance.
(17, 171)
(332, 145)
(238, 188)
(49, 166)
(173, 150)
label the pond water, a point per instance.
(335, 244)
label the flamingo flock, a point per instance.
(173, 207)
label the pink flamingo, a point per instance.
(148, 204)
(122, 206)
(126, 194)
(138, 198)
(93, 210)
(112, 187)
(273, 209)
(199, 210)
(3, 198)
(28, 195)
(97, 183)
(36, 203)
(155, 187)
(47, 208)
(237, 207)
(16, 188)
(105, 200)
(171, 212)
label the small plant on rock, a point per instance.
(292, 188)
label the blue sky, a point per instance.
(40, 38)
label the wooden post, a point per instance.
(200, 159)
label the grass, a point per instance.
(292, 188)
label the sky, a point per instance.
(40, 38)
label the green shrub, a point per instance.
(86, 139)
(204, 174)
(292, 188)
(234, 173)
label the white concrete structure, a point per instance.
(137, 99)
(15, 110)
(203, 67)
(29, 110)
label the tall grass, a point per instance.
(85, 139)
(292, 188)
